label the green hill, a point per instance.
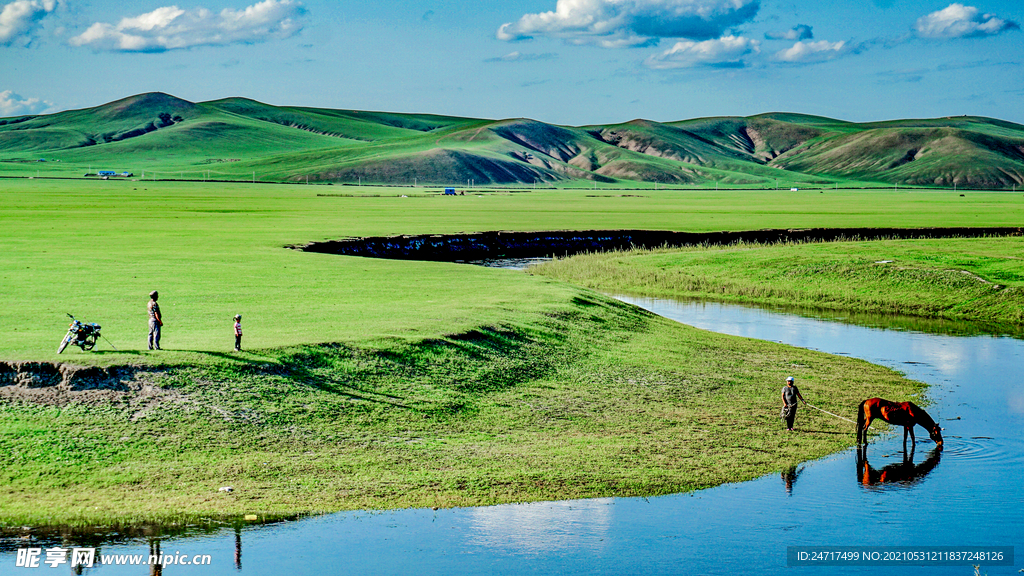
(916, 155)
(241, 139)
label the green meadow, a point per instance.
(382, 383)
(96, 249)
(973, 279)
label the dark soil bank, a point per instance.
(485, 245)
(76, 378)
(56, 383)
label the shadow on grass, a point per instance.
(826, 432)
(234, 357)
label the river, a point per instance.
(965, 497)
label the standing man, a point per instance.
(155, 321)
(789, 402)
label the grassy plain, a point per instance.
(96, 249)
(376, 383)
(974, 279)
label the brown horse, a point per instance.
(906, 414)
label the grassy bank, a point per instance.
(979, 279)
(590, 398)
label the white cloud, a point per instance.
(724, 52)
(959, 21)
(625, 23)
(172, 28)
(521, 57)
(806, 52)
(798, 32)
(18, 18)
(12, 104)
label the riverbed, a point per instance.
(968, 495)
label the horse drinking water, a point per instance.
(906, 414)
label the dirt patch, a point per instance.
(60, 384)
(979, 278)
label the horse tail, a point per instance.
(860, 421)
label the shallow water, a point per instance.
(509, 263)
(970, 494)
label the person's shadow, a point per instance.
(904, 473)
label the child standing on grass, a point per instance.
(238, 332)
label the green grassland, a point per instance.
(238, 139)
(974, 279)
(377, 383)
(96, 249)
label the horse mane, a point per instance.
(921, 416)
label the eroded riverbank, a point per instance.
(506, 244)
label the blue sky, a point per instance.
(562, 61)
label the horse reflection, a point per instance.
(904, 473)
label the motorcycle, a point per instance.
(80, 334)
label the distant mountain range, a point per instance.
(234, 137)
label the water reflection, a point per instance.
(789, 476)
(155, 568)
(238, 547)
(508, 263)
(543, 526)
(904, 473)
(833, 321)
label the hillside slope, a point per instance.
(239, 138)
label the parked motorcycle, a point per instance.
(80, 334)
